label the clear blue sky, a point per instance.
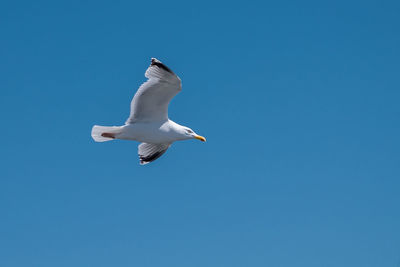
(299, 101)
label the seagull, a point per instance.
(148, 122)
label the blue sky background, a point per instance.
(299, 101)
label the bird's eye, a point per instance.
(189, 131)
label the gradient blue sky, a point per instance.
(299, 101)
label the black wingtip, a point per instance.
(153, 157)
(156, 62)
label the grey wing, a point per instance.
(150, 152)
(151, 101)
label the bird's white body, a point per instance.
(148, 122)
(152, 132)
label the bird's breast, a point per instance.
(147, 133)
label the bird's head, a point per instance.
(190, 134)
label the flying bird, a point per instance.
(148, 122)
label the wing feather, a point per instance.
(150, 152)
(151, 101)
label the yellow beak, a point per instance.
(199, 137)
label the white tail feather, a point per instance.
(100, 133)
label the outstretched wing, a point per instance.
(151, 101)
(150, 152)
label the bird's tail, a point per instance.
(105, 133)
